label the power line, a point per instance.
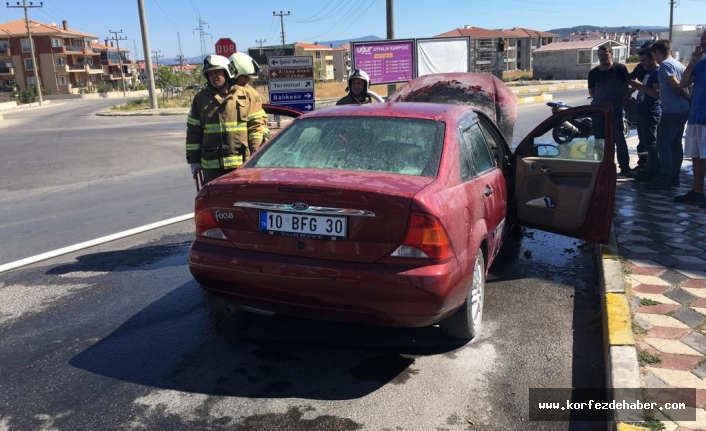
(165, 14)
(260, 41)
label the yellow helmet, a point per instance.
(243, 64)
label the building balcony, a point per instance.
(7, 71)
(5, 52)
(94, 69)
(74, 49)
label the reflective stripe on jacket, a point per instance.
(221, 128)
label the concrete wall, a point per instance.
(559, 65)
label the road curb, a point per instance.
(535, 99)
(620, 353)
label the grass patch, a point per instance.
(183, 101)
(625, 270)
(637, 329)
(651, 424)
(646, 358)
(646, 301)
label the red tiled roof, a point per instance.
(311, 46)
(526, 32)
(18, 28)
(475, 32)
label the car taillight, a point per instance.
(206, 224)
(426, 238)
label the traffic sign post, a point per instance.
(225, 47)
(292, 81)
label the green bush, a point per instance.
(104, 87)
(633, 59)
(28, 95)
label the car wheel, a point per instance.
(466, 321)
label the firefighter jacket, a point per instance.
(222, 130)
(348, 99)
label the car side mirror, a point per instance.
(546, 151)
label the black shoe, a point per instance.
(625, 174)
(658, 185)
(689, 197)
(645, 177)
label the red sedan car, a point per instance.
(391, 213)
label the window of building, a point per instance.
(31, 81)
(28, 64)
(56, 43)
(25, 45)
(60, 61)
(63, 80)
(584, 56)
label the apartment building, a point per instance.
(323, 59)
(68, 61)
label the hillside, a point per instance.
(624, 29)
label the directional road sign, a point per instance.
(285, 85)
(291, 61)
(294, 96)
(302, 72)
(303, 106)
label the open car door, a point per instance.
(568, 188)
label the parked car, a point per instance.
(392, 213)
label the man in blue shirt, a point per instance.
(649, 111)
(675, 111)
(695, 141)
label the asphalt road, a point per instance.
(120, 337)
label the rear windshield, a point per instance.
(406, 146)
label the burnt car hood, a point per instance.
(481, 90)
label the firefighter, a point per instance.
(244, 68)
(358, 85)
(218, 122)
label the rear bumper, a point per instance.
(380, 294)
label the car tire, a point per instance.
(465, 322)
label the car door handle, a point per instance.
(488, 191)
(546, 169)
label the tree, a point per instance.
(165, 78)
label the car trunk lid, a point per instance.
(315, 213)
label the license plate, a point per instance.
(304, 225)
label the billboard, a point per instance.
(386, 62)
(443, 55)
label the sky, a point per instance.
(173, 25)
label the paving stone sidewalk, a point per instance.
(662, 245)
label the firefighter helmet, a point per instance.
(359, 74)
(243, 64)
(215, 62)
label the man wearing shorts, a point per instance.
(695, 140)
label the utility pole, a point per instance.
(260, 41)
(281, 20)
(391, 88)
(120, 57)
(156, 55)
(31, 45)
(180, 58)
(672, 4)
(146, 52)
(202, 35)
